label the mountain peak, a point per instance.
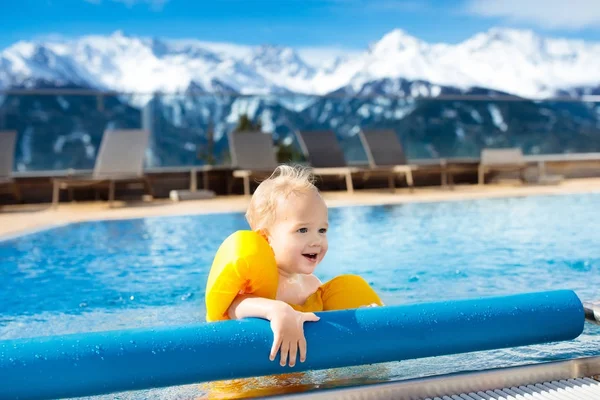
(509, 60)
(396, 41)
(271, 53)
(511, 34)
(276, 59)
(504, 36)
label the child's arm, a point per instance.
(287, 324)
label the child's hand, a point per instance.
(288, 330)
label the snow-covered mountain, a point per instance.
(64, 130)
(512, 61)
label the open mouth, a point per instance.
(311, 256)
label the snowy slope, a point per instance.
(512, 61)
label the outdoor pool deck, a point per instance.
(20, 219)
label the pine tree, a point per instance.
(284, 154)
(246, 124)
(288, 154)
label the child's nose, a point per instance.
(316, 240)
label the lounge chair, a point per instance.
(325, 156)
(120, 159)
(508, 159)
(7, 156)
(252, 154)
(385, 154)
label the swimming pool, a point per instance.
(147, 272)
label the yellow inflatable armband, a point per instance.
(341, 293)
(244, 264)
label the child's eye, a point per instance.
(322, 230)
(303, 230)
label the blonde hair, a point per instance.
(283, 182)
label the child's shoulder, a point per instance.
(311, 281)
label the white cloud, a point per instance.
(156, 5)
(550, 14)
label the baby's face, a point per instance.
(299, 234)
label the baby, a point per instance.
(289, 212)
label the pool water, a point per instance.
(147, 272)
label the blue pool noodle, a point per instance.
(105, 362)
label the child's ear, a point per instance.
(264, 233)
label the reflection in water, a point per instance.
(295, 382)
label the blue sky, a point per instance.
(322, 24)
